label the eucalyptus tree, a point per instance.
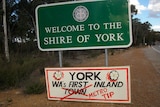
(135, 23)
(136, 26)
(134, 11)
(6, 47)
(27, 9)
(146, 29)
(26, 25)
(1, 29)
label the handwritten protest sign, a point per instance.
(89, 84)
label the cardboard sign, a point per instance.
(89, 84)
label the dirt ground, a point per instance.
(145, 84)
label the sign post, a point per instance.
(79, 25)
(106, 57)
(60, 54)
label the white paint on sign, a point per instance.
(89, 84)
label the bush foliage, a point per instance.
(18, 70)
(35, 88)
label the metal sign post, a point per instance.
(106, 57)
(60, 58)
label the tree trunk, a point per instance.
(5, 32)
(34, 25)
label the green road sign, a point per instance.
(91, 24)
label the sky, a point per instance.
(148, 10)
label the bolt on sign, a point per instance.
(96, 84)
(88, 24)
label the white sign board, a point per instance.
(89, 84)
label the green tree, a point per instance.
(136, 26)
(140, 31)
(135, 23)
(133, 10)
(146, 29)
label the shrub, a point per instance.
(35, 88)
(18, 70)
